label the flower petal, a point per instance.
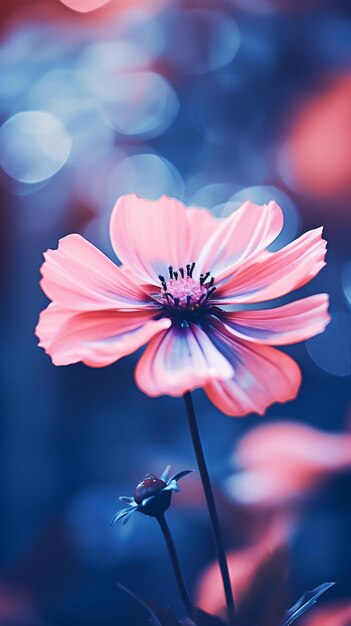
(262, 376)
(149, 236)
(180, 475)
(97, 338)
(127, 500)
(78, 276)
(172, 486)
(123, 514)
(273, 275)
(245, 233)
(202, 225)
(283, 325)
(179, 360)
(50, 320)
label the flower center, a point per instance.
(183, 293)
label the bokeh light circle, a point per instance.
(262, 194)
(142, 104)
(331, 350)
(139, 26)
(63, 93)
(84, 6)
(103, 60)
(213, 196)
(34, 145)
(346, 282)
(209, 40)
(148, 175)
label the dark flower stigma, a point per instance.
(184, 297)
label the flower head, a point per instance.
(152, 496)
(181, 289)
(332, 614)
(283, 462)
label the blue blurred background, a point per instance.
(212, 102)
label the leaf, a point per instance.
(264, 600)
(203, 619)
(158, 616)
(152, 617)
(166, 617)
(305, 602)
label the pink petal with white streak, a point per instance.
(180, 360)
(262, 376)
(149, 236)
(97, 338)
(274, 275)
(78, 276)
(244, 234)
(284, 325)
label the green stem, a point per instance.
(211, 505)
(175, 562)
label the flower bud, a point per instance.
(152, 496)
(149, 486)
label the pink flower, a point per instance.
(332, 614)
(246, 565)
(182, 269)
(283, 462)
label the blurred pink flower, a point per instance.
(318, 150)
(16, 606)
(242, 566)
(333, 614)
(284, 461)
(246, 567)
(181, 269)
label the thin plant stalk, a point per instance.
(211, 505)
(175, 563)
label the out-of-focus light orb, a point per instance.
(84, 6)
(46, 204)
(346, 282)
(91, 183)
(262, 194)
(34, 145)
(148, 175)
(63, 93)
(316, 159)
(209, 40)
(262, 7)
(331, 350)
(142, 104)
(103, 60)
(221, 111)
(139, 26)
(259, 7)
(213, 196)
